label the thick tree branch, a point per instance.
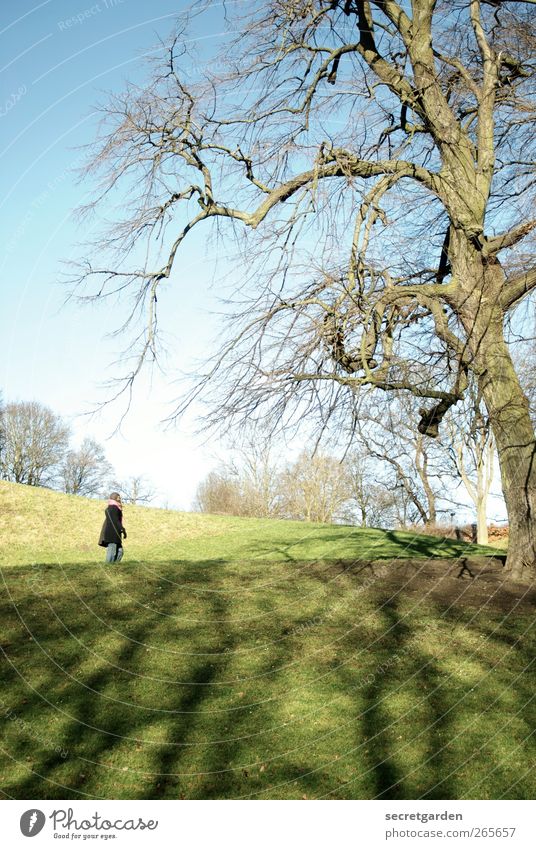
(341, 164)
(384, 70)
(507, 240)
(431, 419)
(380, 383)
(516, 289)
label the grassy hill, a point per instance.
(39, 525)
(230, 658)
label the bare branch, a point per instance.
(516, 289)
(509, 239)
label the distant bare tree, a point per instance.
(136, 489)
(399, 504)
(361, 487)
(315, 489)
(254, 466)
(85, 471)
(246, 484)
(373, 503)
(469, 442)
(220, 493)
(35, 443)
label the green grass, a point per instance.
(49, 527)
(230, 658)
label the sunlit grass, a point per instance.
(49, 527)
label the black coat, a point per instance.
(112, 529)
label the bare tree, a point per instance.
(396, 138)
(136, 489)
(254, 466)
(248, 483)
(362, 487)
(313, 488)
(85, 471)
(373, 503)
(35, 442)
(469, 443)
(316, 489)
(220, 492)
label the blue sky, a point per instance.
(59, 59)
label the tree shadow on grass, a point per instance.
(92, 727)
(499, 735)
(96, 701)
(422, 545)
(369, 544)
(191, 718)
(402, 713)
(378, 723)
(155, 711)
(440, 721)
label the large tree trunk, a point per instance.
(513, 431)
(516, 447)
(506, 403)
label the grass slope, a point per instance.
(232, 658)
(38, 525)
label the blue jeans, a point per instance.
(114, 553)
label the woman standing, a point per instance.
(113, 531)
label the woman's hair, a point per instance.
(114, 496)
